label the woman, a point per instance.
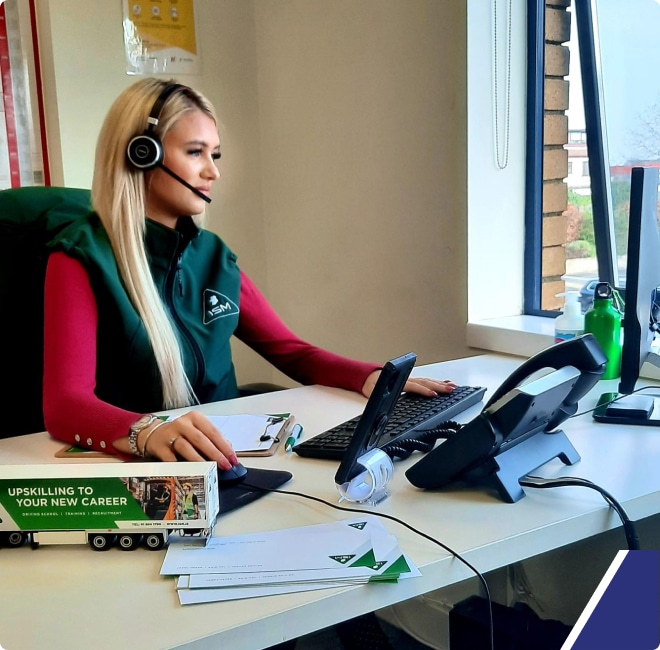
(141, 301)
(190, 504)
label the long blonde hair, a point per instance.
(119, 198)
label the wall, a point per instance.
(496, 196)
(343, 185)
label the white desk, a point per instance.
(72, 597)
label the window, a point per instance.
(575, 135)
(622, 112)
(613, 124)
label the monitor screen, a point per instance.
(642, 313)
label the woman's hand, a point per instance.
(188, 437)
(420, 385)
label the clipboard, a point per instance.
(267, 452)
(277, 431)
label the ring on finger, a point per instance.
(172, 441)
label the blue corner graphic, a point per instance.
(624, 612)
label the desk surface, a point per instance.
(72, 597)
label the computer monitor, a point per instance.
(642, 305)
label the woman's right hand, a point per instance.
(190, 436)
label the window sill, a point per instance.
(518, 335)
(524, 336)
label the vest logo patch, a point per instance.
(217, 305)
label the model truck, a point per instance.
(102, 504)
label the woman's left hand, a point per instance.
(420, 385)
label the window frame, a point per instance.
(598, 162)
(601, 195)
(534, 159)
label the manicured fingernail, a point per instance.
(225, 464)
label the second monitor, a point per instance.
(641, 322)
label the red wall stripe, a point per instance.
(8, 101)
(40, 93)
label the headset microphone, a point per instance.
(194, 190)
(145, 151)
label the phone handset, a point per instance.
(583, 353)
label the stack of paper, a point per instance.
(356, 551)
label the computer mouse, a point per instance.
(227, 477)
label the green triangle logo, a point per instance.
(398, 567)
(368, 560)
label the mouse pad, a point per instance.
(253, 486)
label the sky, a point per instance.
(629, 43)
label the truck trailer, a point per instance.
(103, 504)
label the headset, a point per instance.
(145, 151)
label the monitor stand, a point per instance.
(504, 471)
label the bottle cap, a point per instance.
(603, 291)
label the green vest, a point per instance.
(199, 282)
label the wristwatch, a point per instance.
(135, 429)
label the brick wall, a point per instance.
(555, 157)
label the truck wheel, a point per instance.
(154, 541)
(101, 542)
(128, 542)
(14, 539)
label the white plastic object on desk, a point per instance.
(371, 485)
(570, 323)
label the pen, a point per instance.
(294, 436)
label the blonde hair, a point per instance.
(119, 198)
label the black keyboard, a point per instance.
(412, 416)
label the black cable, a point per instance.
(424, 440)
(573, 481)
(405, 525)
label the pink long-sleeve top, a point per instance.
(72, 411)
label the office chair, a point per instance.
(258, 388)
(29, 218)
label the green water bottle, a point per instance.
(603, 320)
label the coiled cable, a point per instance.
(423, 441)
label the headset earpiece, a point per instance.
(145, 151)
